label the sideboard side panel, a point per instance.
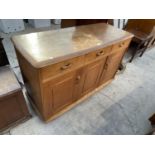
(32, 82)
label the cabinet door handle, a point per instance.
(66, 66)
(106, 66)
(77, 80)
(100, 53)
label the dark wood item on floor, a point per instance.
(12, 103)
(152, 121)
(62, 68)
(3, 57)
(143, 30)
(78, 22)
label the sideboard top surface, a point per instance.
(48, 47)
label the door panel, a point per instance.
(62, 91)
(58, 93)
(92, 73)
(78, 84)
(111, 66)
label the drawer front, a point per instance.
(62, 67)
(121, 45)
(97, 54)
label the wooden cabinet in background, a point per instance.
(77, 62)
(13, 108)
(78, 22)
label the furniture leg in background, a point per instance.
(152, 121)
(142, 47)
(144, 33)
(3, 56)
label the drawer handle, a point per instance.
(66, 66)
(78, 77)
(121, 45)
(100, 53)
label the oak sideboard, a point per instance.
(62, 67)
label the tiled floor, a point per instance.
(123, 107)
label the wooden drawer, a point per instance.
(97, 54)
(121, 45)
(62, 67)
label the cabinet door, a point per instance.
(61, 91)
(92, 73)
(111, 66)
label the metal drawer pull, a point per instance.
(121, 45)
(100, 53)
(66, 66)
(78, 77)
